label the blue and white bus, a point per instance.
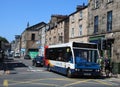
(73, 58)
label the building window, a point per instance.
(54, 39)
(80, 30)
(50, 32)
(72, 18)
(33, 37)
(81, 14)
(96, 3)
(50, 39)
(96, 24)
(72, 33)
(109, 21)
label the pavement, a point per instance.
(4, 69)
(9, 66)
(116, 78)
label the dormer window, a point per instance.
(96, 4)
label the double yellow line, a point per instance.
(78, 82)
(5, 82)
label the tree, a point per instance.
(3, 39)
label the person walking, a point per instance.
(107, 66)
(101, 63)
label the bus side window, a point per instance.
(52, 56)
(68, 57)
(47, 53)
(60, 57)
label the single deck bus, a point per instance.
(73, 58)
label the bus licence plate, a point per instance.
(87, 74)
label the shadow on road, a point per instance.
(11, 64)
(83, 77)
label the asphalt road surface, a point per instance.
(21, 73)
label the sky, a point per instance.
(15, 14)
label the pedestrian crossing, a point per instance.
(33, 69)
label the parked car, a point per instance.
(38, 61)
(27, 57)
(17, 55)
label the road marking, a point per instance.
(78, 82)
(103, 82)
(5, 83)
(34, 69)
(72, 82)
(31, 81)
(30, 67)
(46, 84)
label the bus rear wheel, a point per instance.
(69, 73)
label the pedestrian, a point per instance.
(107, 66)
(101, 63)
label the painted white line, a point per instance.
(34, 69)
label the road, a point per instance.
(21, 73)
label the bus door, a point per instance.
(69, 59)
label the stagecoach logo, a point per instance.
(59, 64)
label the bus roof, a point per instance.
(75, 44)
(61, 45)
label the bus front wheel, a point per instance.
(69, 73)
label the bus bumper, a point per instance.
(78, 72)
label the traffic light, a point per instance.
(104, 44)
(99, 44)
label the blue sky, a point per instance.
(15, 14)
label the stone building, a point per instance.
(104, 28)
(78, 24)
(57, 30)
(63, 30)
(13, 45)
(41, 42)
(17, 44)
(30, 40)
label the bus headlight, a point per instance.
(97, 70)
(77, 70)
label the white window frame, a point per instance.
(96, 4)
(72, 32)
(72, 18)
(81, 14)
(80, 30)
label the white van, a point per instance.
(17, 55)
